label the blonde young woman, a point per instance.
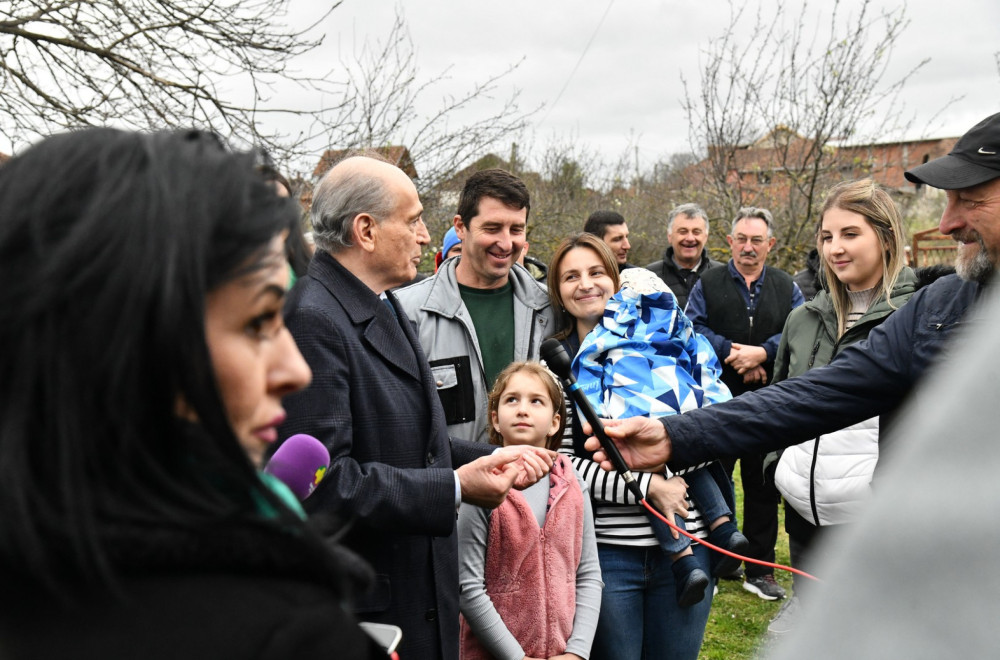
(826, 481)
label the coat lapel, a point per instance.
(386, 336)
(381, 330)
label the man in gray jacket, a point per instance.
(481, 311)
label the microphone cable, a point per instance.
(759, 562)
(557, 360)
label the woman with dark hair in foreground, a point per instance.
(143, 358)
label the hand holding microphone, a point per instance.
(646, 445)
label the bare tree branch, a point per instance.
(383, 79)
(149, 64)
(146, 64)
(794, 96)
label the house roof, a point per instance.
(395, 154)
(884, 161)
(457, 180)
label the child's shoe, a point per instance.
(727, 536)
(690, 580)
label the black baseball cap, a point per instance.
(975, 159)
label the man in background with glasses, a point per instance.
(741, 310)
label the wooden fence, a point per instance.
(930, 247)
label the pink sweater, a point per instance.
(531, 571)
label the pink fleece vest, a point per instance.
(531, 571)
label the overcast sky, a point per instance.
(609, 72)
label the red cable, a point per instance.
(723, 550)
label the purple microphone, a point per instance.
(300, 463)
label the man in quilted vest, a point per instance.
(741, 310)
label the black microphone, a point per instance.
(558, 361)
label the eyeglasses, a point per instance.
(757, 241)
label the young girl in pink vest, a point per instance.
(529, 579)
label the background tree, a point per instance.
(148, 64)
(236, 67)
(774, 104)
(383, 91)
(573, 181)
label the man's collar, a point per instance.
(734, 271)
(701, 259)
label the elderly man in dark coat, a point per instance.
(394, 473)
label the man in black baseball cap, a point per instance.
(971, 176)
(974, 160)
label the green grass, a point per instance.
(737, 625)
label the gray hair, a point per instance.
(341, 197)
(755, 212)
(689, 210)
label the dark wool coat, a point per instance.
(373, 403)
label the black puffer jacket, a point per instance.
(810, 279)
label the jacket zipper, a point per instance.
(812, 482)
(812, 356)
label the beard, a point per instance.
(977, 268)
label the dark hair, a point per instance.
(565, 322)
(553, 388)
(499, 184)
(109, 243)
(267, 170)
(599, 221)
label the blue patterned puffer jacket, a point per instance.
(645, 359)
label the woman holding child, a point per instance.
(643, 608)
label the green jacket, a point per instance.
(809, 339)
